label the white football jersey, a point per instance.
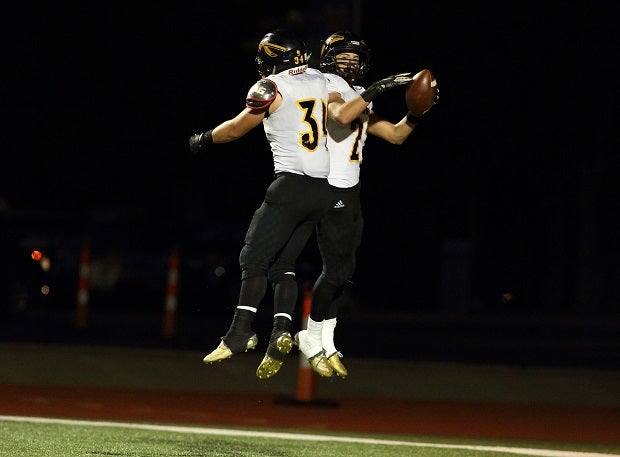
(296, 130)
(346, 142)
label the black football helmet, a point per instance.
(280, 50)
(340, 42)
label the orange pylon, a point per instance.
(305, 374)
(83, 296)
(170, 306)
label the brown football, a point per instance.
(421, 92)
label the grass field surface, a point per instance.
(35, 437)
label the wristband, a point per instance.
(206, 137)
(413, 119)
(371, 93)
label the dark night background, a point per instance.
(508, 186)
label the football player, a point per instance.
(345, 60)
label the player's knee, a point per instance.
(337, 279)
(251, 264)
(278, 276)
(250, 270)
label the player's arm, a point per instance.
(262, 98)
(346, 112)
(395, 133)
(238, 126)
(388, 131)
(227, 131)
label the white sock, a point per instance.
(327, 336)
(314, 332)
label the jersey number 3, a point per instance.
(310, 139)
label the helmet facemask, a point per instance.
(343, 66)
(348, 66)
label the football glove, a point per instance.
(199, 141)
(385, 84)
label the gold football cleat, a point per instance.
(320, 365)
(284, 343)
(269, 365)
(223, 352)
(318, 361)
(336, 364)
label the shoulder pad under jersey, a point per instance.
(262, 94)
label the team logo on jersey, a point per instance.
(297, 70)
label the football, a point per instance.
(421, 92)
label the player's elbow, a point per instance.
(398, 136)
(396, 140)
(343, 117)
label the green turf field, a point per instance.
(40, 437)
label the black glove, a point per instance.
(385, 84)
(199, 141)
